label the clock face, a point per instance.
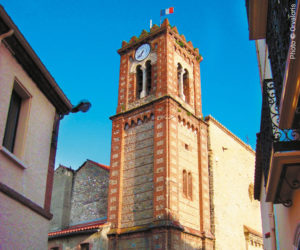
(142, 52)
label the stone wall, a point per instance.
(188, 160)
(232, 170)
(61, 198)
(97, 240)
(89, 196)
(137, 206)
(158, 239)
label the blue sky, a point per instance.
(77, 41)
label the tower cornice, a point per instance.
(156, 31)
(155, 101)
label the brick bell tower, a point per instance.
(159, 183)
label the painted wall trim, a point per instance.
(24, 201)
(13, 158)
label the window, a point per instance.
(184, 183)
(186, 90)
(16, 122)
(149, 76)
(12, 121)
(139, 81)
(85, 246)
(187, 184)
(143, 80)
(190, 186)
(183, 83)
(180, 81)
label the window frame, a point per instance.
(184, 183)
(23, 117)
(85, 244)
(186, 86)
(139, 81)
(190, 186)
(187, 184)
(12, 121)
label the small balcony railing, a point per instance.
(273, 143)
(278, 39)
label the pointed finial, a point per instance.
(133, 39)
(190, 43)
(154, 27)
(144, 33)
(175, 29)
(165, 23)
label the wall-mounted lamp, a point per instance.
(82, 106)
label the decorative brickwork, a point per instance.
(137, 207)
(154, 138)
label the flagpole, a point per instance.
(160, 20)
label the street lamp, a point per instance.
(82, 106)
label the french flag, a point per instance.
(167, 11)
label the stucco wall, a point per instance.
(267, 219)
(20, 227)
(232, 166)
(137, 206)
(36, 144)
(89, 195)
(287, 220)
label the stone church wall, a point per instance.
(231, 170)
(137, 206)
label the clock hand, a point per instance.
(141, 53)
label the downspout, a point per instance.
(83, 106)
(275, 238)
(51, 164)
(272, 227)
(5, 35)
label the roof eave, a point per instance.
(17, 42)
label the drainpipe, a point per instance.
(275, 228)
(272, 226)
(83, 106)
(5, 35)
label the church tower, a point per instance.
(159, 181)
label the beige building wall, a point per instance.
(34, 146)
(15, 220)
(231, 169)
(25, 171)
(287, 221)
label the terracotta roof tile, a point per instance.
(99, 165)
(79, 228)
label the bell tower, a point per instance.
(159, 182)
